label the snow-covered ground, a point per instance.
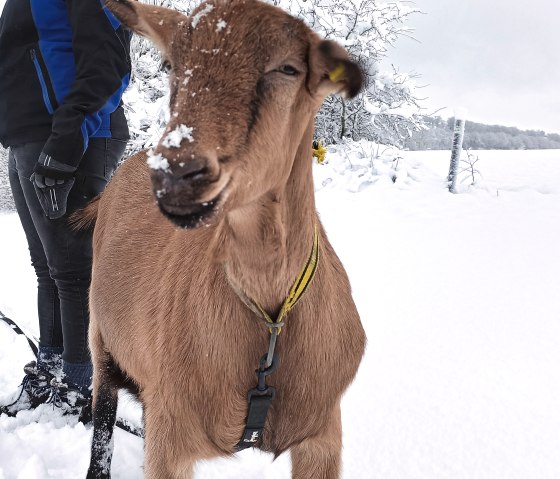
(460, 298)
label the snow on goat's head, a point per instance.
(246, 80)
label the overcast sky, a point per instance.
(498, 58)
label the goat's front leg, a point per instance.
(318, 457)
(166, 456)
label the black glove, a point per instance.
(52, 181)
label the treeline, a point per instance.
(438, 135)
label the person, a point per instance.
(64, 65)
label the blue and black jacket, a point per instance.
(64, 65)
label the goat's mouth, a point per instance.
(192, 215)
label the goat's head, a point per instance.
(246, 81)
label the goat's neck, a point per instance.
(269, 241)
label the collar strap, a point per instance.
(260, 398)
(297, 290)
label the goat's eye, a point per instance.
(166, 66)
(287, 70)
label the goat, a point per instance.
(223, 209)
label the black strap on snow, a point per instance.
(121, 423)
(18, 330)
(129, 427)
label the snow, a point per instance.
(459, 298)
(188, 75)
(157, 162)
(220, 25)
(175, 137)
(201, 14)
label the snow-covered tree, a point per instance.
(6, 200)
(387, 110)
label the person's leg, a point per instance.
(69, 253)
(20, 165)
(35, 389)
(70, 262)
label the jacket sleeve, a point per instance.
(101, 54)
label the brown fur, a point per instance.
(162, 308)
(85, 217)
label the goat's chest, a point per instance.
(219, 370)
(207, 362)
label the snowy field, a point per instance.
(460, 298)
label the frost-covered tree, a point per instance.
(6, 200)
(468, 170)
(385, 112)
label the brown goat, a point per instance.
(229, 187)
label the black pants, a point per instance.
(60, 256)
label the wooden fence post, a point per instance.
(458, 135)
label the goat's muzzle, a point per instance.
(189, 193)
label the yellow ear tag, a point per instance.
(337, 74)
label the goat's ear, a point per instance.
(331, 71)
(156, 23)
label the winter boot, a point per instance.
(72, 394)
(71, 399)
(49, 358)
(35, 389)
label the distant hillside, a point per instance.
(438, 135)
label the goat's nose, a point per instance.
(192, 169)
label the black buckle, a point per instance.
(256, 392)
(259, 399)
(262, 372)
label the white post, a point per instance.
(458, 135)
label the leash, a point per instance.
(12, 324)
(121, 423)
(260, 398)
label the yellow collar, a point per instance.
(297, 290)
